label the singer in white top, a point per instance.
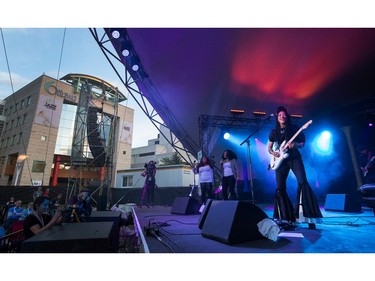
(206, 178)
(228, 164)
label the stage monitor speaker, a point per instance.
(233, 222)
(204, 213)
(185, 206)
(342, 203)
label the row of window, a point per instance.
(15, 123)
(10, 141)
(24, 103)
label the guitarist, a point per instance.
(306, 208)
(366, 162)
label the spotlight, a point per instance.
(296, 115)
(323, 143)
(134, 63)
(259, 113)
(237, 112)
(226, 135)
(125, 52)
(116, 34)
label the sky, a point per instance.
(27, 53)
(32, 52)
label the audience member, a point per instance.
(14, 214)
(39, 220)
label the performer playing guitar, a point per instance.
(281, 153)
(286, 159)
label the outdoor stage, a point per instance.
(160, 231)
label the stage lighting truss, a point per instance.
(124, 47)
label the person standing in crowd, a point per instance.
(37, 192)
(57, 202)
(14, 214)
(229, 168)
(149, 186)
(366, 162)
(206, 178)
(306, 208)
(39, 220)
(81, 203)
(27, 211)
(6, 208)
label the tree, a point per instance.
(175, 159)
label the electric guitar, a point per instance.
(365, 169)
(283, 149)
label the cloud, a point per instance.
(6, 82)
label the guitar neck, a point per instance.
(299, 131)
(295, 135)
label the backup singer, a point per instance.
(306, 208)
(206, 178)
(229, 168)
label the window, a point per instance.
(24, 118)
(19, 138)
(13, 139)
(28, 101)
(22, 103)
(127, 181)
(43, 138)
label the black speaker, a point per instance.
(233, 222)
(204, 213)
(342, 203)
(185, 206)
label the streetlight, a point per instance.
(20, 159)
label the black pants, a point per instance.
(228, 184)
(150, 192)
(283, 207)
(207, 192)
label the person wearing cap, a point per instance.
(81, 203)
(306, 208)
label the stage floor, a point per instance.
(339, 232)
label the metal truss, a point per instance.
(144, 92)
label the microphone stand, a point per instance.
(247, 140)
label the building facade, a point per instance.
(40, 131)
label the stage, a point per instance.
(160, 231)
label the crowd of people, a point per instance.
(43, 212)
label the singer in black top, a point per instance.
(306, 208)
(149, 186)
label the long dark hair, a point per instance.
(288, 123)
(230, 155)
(201, 163)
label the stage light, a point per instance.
(115, 34)
(125, 52)
(296, 115)
(237, 112)
(226, 135)
(133, 62)
(259, 113)
(323, 143)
